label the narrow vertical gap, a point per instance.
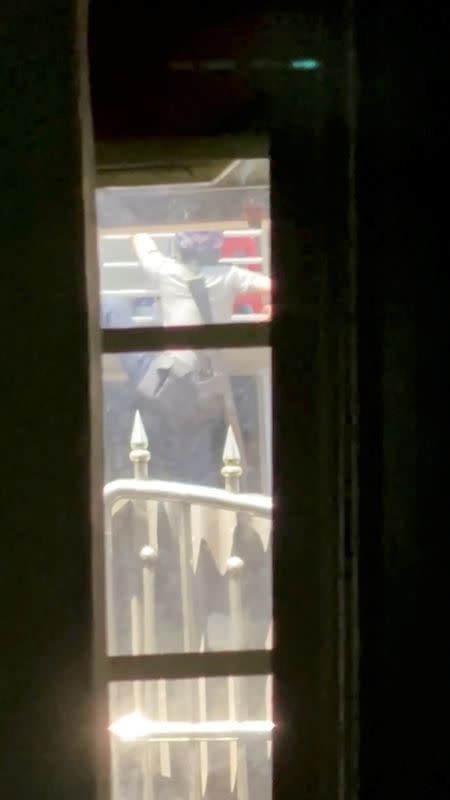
(100, 712)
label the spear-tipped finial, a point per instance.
(139, 452)
(231, 469)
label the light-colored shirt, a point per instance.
(170, 278)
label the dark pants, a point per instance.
(184, 451)
(190, 450)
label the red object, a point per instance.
(244, 247)
(253, 213)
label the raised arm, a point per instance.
(148, 254)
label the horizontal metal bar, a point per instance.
(228, 234)
(249, 318)
(187, 337)
(133, 293)
(132, 489)
(111, 264)
(158, 230)
(241, 260)
(231, 260)
(182, 666)
(238, 234)
(136, 727)
(114, 235)
(238, 260)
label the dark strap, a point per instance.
(199, 292)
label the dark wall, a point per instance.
(137, 92)
(403, 348)
(46, 669)
(45, 628)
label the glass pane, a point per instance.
(189, 550)
(187, 253)
(205, 738)
(186, 401)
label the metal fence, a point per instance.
(188, 570)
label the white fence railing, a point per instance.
(199, 578)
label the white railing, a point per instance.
(198, 520)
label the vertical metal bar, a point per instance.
(139, 696)
(183, 514)
(268, 709)
(111, 638)
(139, 456)
(269, 691)
(136, 648)
(264, 378)
(235, 567)
(141, 622)
(190, 638)
(166, 765)
(111, 641)
(265, 427)
(232, 472)
(115, 768)
(265, 246)
(148, 558)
